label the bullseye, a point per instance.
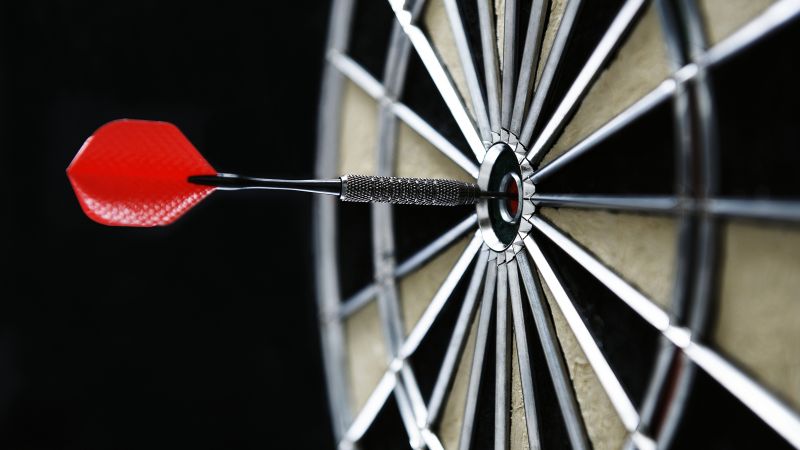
(512, 204)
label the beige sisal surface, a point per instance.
(453, 415)
(758, 321)
(640, 65)
(603, 425)
(443, 40)
(723, 17)
(417, 289)
(518, 435)
(553, 22)
(366, 353)
(416, 157)
(642, 249)
(359, 132)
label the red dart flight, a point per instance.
(135, 173)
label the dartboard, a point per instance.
(637, 286)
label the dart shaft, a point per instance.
(231, 182)
(361, 188)
(142, 173)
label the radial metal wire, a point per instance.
(506, 107)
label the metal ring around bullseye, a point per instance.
(497, 226)
(509, 178)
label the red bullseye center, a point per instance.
(512, 204)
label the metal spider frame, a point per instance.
(502, 116)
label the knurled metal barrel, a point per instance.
(408, 191)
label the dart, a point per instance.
(140, 173)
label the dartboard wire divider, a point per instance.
(509, 107)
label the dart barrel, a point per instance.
(408, 191)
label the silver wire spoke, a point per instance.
(382, 229)
(339, 24)
(470, 72)
(502, 350)
(398, 367)
(777, 15)
(490, 63)
(608, 380)
(440, 298)
(777, 415)
(371, 409)
(395, 71)
(653, 204)
(509, 70)
(476, 369)
(439, 76)
(657, 96)
(639, 303)
(774, 17)
(694, 24)
(407, 417)
(559, 374)
(594, 64)
(425, 130)
(663, 371)
(358, 75)
(778, 210)
(431, 441)
(408, 396)
(549, 70)
(640, 441)
(738, 208)
(523, 356)
(358, 301)
(389, 307)
(457, 339)
(672, 33)
(530, 61)
(671, 420)
(414, 396)
(780, 417)
(439, 244)
(368, 293)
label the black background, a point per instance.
(199, 335)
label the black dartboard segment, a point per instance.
(756, 95)
(636, 160)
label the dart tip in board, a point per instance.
(135, 173)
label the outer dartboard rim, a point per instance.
(690, 92)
